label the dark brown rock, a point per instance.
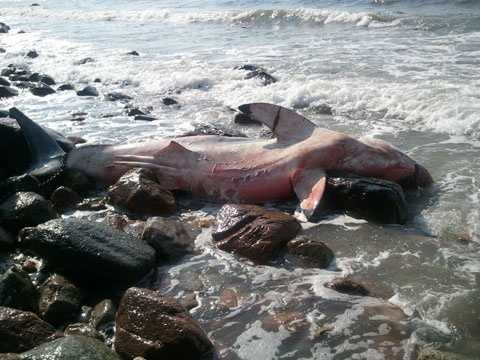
(17, 290)
(82, 330)
(60, 300)
(347, 286)
(137, 192)
(65, 199)
(102, 314)
(25, 209)
(157, 327)
(170, 238)
(310, 253)
(21, 331)
(253, 232)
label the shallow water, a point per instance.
(405, 71)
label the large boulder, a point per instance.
(71, 347)
(60, 300)
(17, 290)
(138, 192)
(372, 199)
(21, 330)
(25, 209)
(253, 232)
(90, 253)
(156, 327)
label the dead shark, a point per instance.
(241, 170)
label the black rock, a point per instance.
(88, 91)
(90, 253)
(135, 111)
(347, 286)
(84, 61)
(4, 28)
(97, 80)
(2, 51)
(65, 199)
(4, 114)
(42, 90)
(21, 32)
(73, 347)
(134, 53)
(263, 76)
(18, 77)
(7, 241)
(35, 4)
(22, 330)
(6, 92)
(169, 101)
(65, 87)
(116, 96)
(60, 301)
(25, 209)
(145, 118)
(17, 290)
(4, 82)
(46, 79)
(8, 71)
(32, 54)
(24, 85)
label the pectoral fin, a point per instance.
(309, 186)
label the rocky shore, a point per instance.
(78, 261)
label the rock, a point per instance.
(432, 354)
(257, 72)
(60, 300)
(4, 82)
(4, 114)
(64, 199)
(373, 199)
(46, 79)
(84, 61)
(25, 209)
(310, 253)
(97, 80)
(17, 290)
(7, 92)
(92, 204)
(157, 327)
(77, 181)
(82, 330)
(4, 28)
(253, 232)
(135, 111)
(66, 87)
(42, 90)
(145, 118)
(347, 286)
(21, 32)
(170, 238)
(116, 96)
(90, 253)
(88, 91)
(102, 314)
(7, 71)
(134, 53)
(19, 77)
(24, 85)
(2, 51)
(169, 101)
(32, 54)
(137, 192)
(10, 357)
(21, 330)
(35, 4)
(71, 347)
(243, 119)
(323, 109)
(7, 241)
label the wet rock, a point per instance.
(253, 232)
(79, 116)
(82, 330)
(137, 192)
(243, 119)
(7, 71)
(7, 92)
(84, 61)
(144, 118)
(157, 327)
(123, 223)
(97, 80)
(3, 114)
(17, 290)
(77, 181)
(347, 286)
(432, 354)
(60, 300)
(7, 241)
(25, 209)
(189, 301)
(65, 199)
(4, 82)
(45, 79)
(135, 111)
(66, 87)
(169, 101)
(19, 77)
(4, 28)
(32, 54)
(322, 109)
(116, 96)
(102, 314)
(372, 199)
(2, 51)
(42, 90)
(90, 253)
(88, 91)
(134, 53)
(257, 72)
(309, 253)
(24, 85)
(71, 347)
(34, 4)
(170, 238)
(21, 330)
(92, 204)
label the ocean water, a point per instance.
(406, 71)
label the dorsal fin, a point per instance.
(174, 148)
(286, 125)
